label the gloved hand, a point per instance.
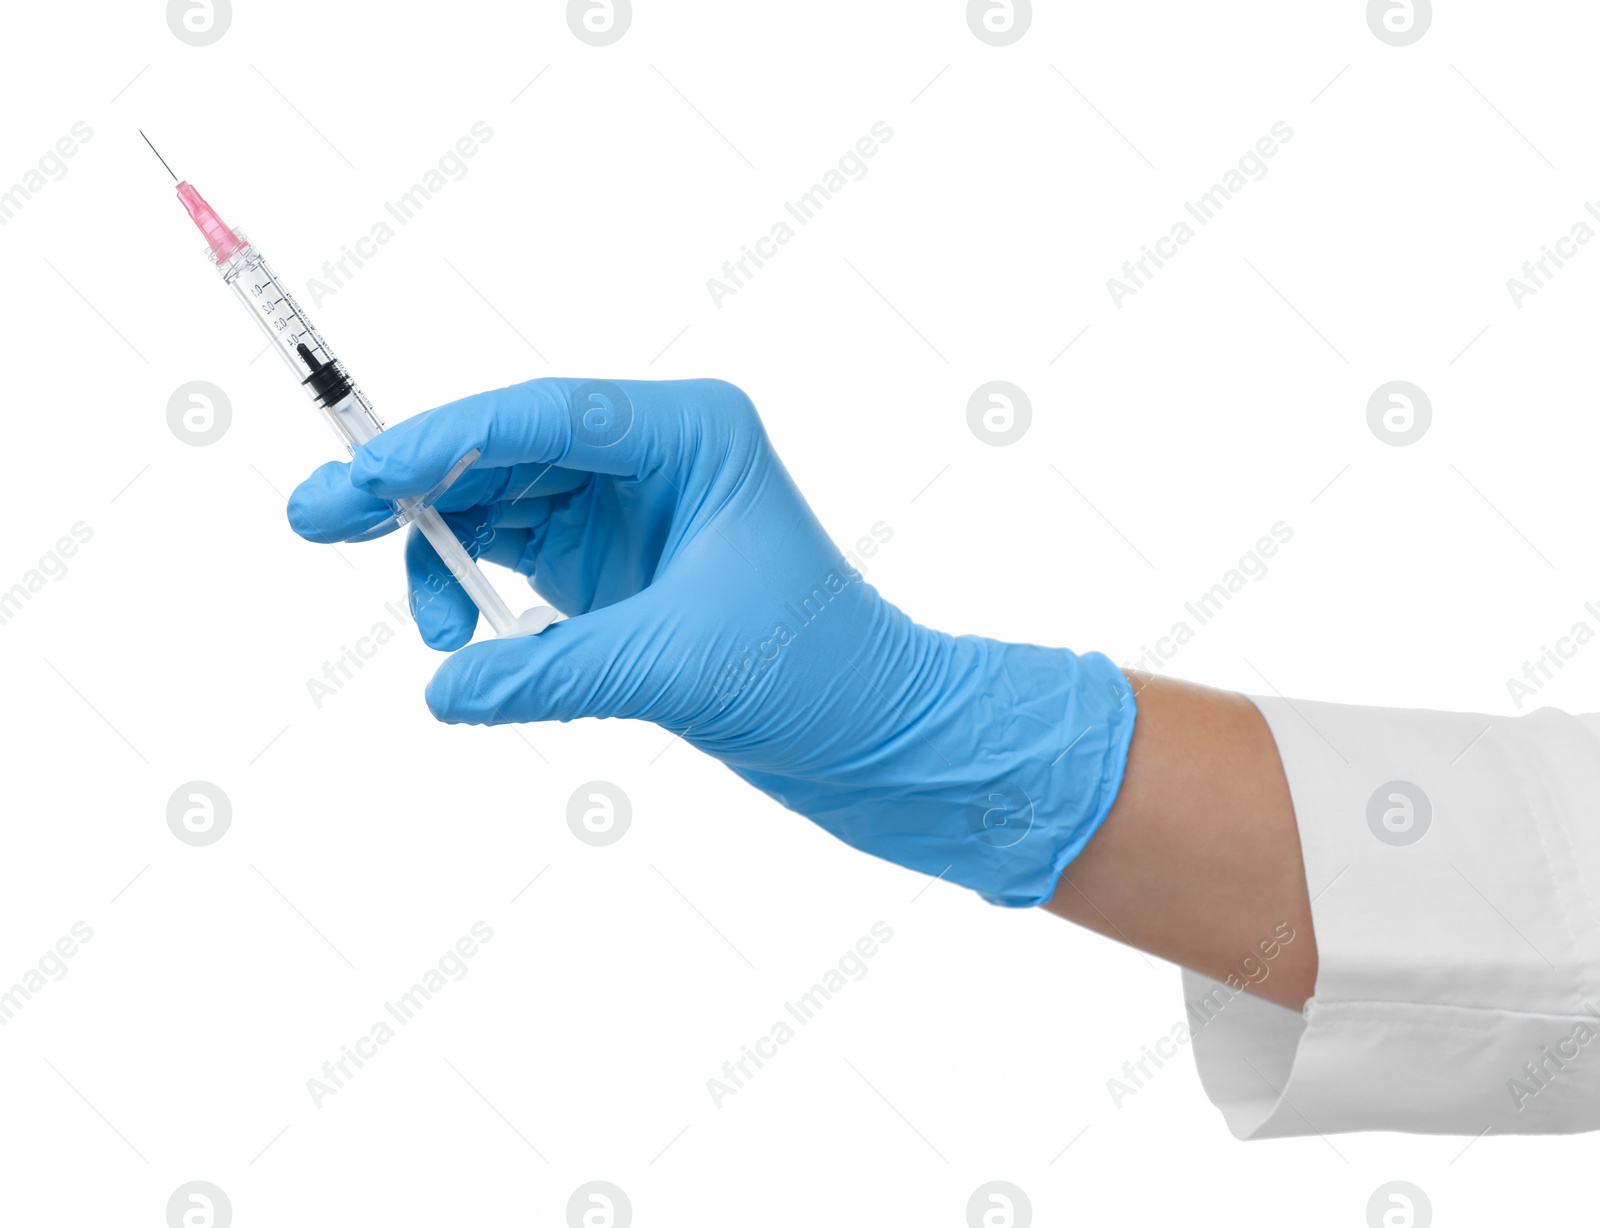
(704, 596)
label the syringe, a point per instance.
(344, 405)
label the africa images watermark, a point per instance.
(52, 566)
(51, 966)
(1253, 969)
(1536, 273)
(1545, 1069)
(737, 1072)
(451, 167)
(754, 660)
(337, 673)
(51, 167)
(352, 658)
(1251, 567)
(850, 168)
(336, 1073)
(1539, 672)
(1251, 167)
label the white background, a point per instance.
(1173, 433)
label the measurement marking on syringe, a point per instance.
(329, 386)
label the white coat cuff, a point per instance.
(1458, 982)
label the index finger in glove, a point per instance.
(627, 428)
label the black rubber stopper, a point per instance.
(327, 381)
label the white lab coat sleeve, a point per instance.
(1458, 980)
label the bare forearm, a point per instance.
(1199, 861)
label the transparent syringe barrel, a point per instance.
(300, 345)
(347, 409)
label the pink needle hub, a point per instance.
(224, 242)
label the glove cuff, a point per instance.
(998, 764)
(1067, 727)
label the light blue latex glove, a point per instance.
(704, 596)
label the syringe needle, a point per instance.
(157, 153)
